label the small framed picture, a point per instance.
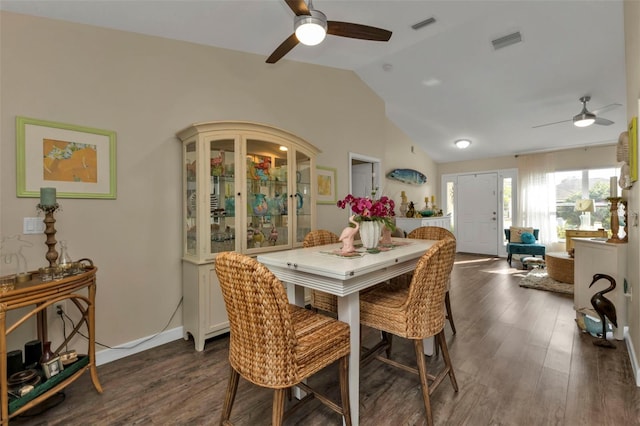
(52, 367)
(327, 185)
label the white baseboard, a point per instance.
(633, 357)
(139, 345)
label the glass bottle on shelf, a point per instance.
(64, 260)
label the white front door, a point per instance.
(477, 213)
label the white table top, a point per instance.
(329, 272)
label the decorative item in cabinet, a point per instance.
(247, 188)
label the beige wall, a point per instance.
(632, 52)
(398, 155)
(146, 89)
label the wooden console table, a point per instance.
(40, 295)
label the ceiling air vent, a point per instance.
(424, 23)
(507, 40)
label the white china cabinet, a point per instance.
(246, 187)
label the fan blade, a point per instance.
(603, 121)
(299, 7)
(362, 32)
(605, 108)
(283, 49)
(549, 124)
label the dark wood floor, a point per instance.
(518, 356)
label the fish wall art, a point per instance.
(409, 176)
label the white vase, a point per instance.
(370, 234)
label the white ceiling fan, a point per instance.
(585, 117)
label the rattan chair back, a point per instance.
(319, 237)
(437, 233)
(431, 233)
(425, 299)
(262, 337)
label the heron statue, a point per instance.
(605, 309)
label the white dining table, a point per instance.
(319, 268)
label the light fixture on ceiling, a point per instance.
(283, 148)
(311, 29)
(585, 118)
(462, 143)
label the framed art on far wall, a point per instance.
(327, 185)
(80, 162)
(633, 149)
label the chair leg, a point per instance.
(278, 406)
(447, 303)
(344, 389)
(230, 396)
(388, 339)
(447, 360)
(422, 372)
(509, 259)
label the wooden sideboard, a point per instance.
(594, 256)
(408, 224)
(37, 296)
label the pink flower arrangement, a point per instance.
(368, 209)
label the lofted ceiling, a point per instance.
(440, 83)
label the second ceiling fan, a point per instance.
(585, 117)
(313, 24)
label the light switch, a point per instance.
(33, 225)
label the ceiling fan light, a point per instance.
(462, 143)
(311, 29)
(584, 119)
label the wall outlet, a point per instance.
(33, 225)
(62, 304)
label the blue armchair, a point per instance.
(522, 248)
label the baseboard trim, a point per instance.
(633, 357)
(139, 345)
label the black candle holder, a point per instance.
(50, 231)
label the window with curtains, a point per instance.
(581, 199)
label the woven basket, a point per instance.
(559, 267)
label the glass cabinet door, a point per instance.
(268, 200)
(190, 213)
(222, 195)
(303, 195)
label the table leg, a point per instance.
(349, 312)
(92, 338)
(295, 293)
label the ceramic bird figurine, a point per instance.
(347, 236)
(605, 308)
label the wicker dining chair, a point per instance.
(319, 299)
(414, 312)
(437, 233)
(275, 344)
